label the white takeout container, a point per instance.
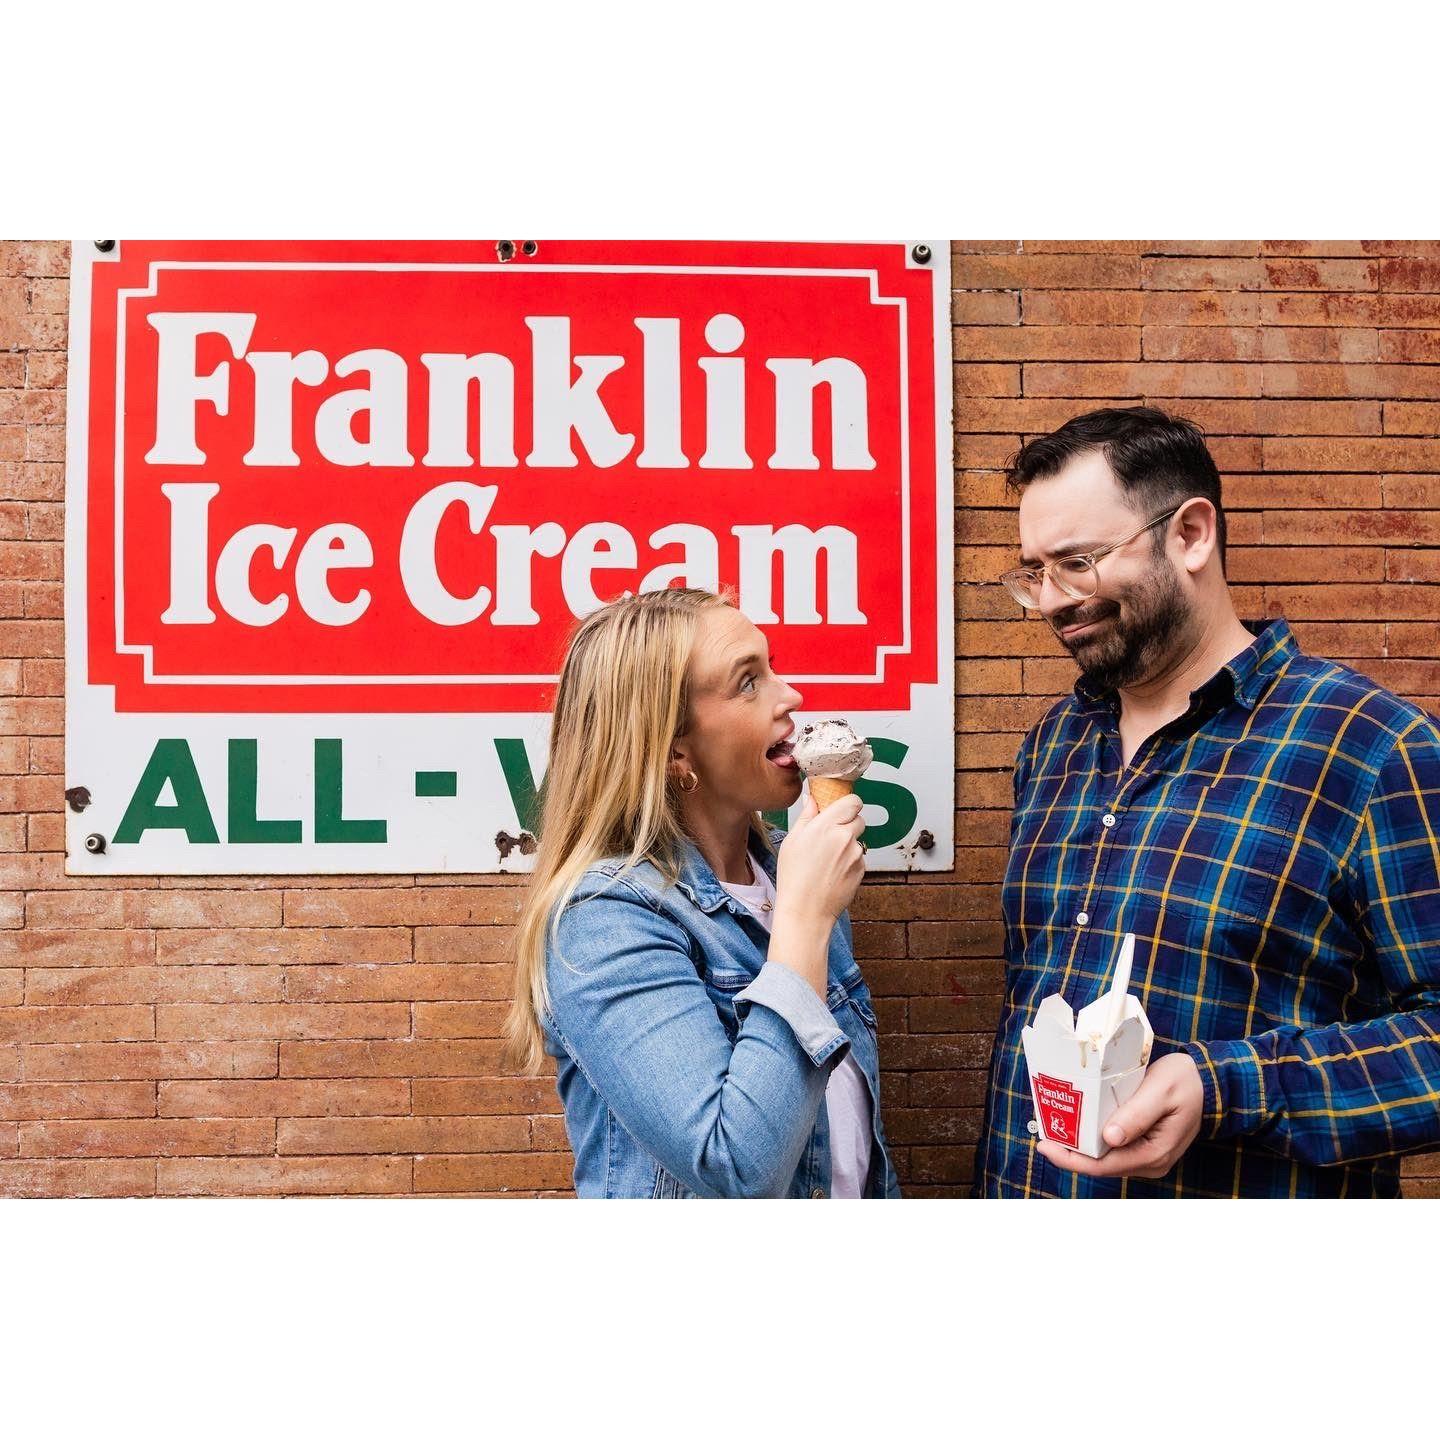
(1084, 1067)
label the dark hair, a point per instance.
(1159, 460)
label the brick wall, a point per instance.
(338, 1035)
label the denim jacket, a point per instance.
(688, 1066)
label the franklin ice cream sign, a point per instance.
(334, 508)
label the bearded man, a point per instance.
(1265, 822)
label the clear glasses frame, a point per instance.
(1074, 575)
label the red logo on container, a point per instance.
(1059, 1105)
(390, 477)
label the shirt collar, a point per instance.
(698, 880)
(1244, 679)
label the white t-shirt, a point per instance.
(847, 1097)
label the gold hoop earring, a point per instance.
(689, 789)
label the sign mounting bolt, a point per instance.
(920, 254)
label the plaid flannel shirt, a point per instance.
(1275, 852)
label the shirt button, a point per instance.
(817, 1193)
(1107, 821)
(1082, 918)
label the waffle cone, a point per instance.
(826, 790)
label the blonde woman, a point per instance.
(711, 1031)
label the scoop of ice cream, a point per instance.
(832, 750)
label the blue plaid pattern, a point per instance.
(1275, 852)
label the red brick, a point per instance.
(1330, 275)
(1201, 342)
(1411, 639)
(439, 1134)
(461, 1019)
(282, 947)
(1384, 455)
(984, 247)
(152, 984)
(43, 600)
(281, 1021)
(1211, 248)
(149, 1061)
(286, 1175)
(25, 638)
(1410, 275)
(1384, 382)
(351, 1058)
(979, 452)
(935, 1052)
(1413, 566)
(46, 1024)
(42, 257)
(1401, 310)
(1411, 491)
(1347, 309)
(1359, 527)
(1046, 342)
(50, 948)
(1356, 492)
(985, 307)
(463, 944)
(1083, 307)
(1350, 345)
(950, 939)
(1418, 418)
(51, 1139)
(1002, 637)
(493, 1172)
(876, 941)
(39, 1179)
(1281, 564)
(984, 488)
(1320, 247)
(1354, 602)
(1083, 247)
(1138, 381)
(262, 1098)
(987, 677)
(1337, 640)
(457, 905)
(117, 1100)
(1050, 272)
(44, 371)
(482, 1096)
(1418, 346)
(987, 380)
(1405, 677)
(142, 909)
(1202, 274)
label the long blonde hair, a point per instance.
(623, 697)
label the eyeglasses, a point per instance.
(1074, 575)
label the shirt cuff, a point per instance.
(780, 989)
(1233, 1078)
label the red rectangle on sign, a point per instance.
(1059, 1104)
(390, 476)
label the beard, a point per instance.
(1142, 630)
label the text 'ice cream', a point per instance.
(833, 758)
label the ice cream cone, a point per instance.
(826, 789)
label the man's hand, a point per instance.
(1150, 1131)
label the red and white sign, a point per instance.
(1058, 1103)
(377, 484)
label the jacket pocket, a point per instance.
(667, 1187)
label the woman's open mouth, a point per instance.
(781, 754)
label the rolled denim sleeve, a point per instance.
(794, 1000)
(633, 1013)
